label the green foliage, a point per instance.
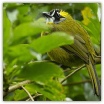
(40, 69)
(32, 27)
(55, 94)
(19, 52)
(57, 39)
(7, 31)
(24, 52)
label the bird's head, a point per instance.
(55, 16)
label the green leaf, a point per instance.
(94, 30)
(11, 6)
(53, 90)
(29, 29)
(23, 9)
(47, 43)
(9, 97)
(94, 7)
(41, 71)
(25, 19)
(20, 95)
(7, 31)
(21, 52)
(24, 14)
(98, 69)
(10, 68)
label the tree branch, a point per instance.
(34, 96)
(72, 73)
(18, 85)
(28, 93)
(97, 60)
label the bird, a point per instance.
(78, 53)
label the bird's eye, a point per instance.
(57, 15)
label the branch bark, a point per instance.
(18, 85)
(97, 60)
(72, 73)
(34, 96)
(28, 93)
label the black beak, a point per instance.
(46, 14)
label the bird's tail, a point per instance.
(94, 78)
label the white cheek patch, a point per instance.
(50, 20)
(53, 18)
(62, 19)
(47, 20)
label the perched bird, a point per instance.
(80, 52)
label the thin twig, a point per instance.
(28, 93)
(72, 73)
(16, 86)
(34, 97)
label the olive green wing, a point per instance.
(78, 48)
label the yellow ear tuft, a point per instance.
(63, 13)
